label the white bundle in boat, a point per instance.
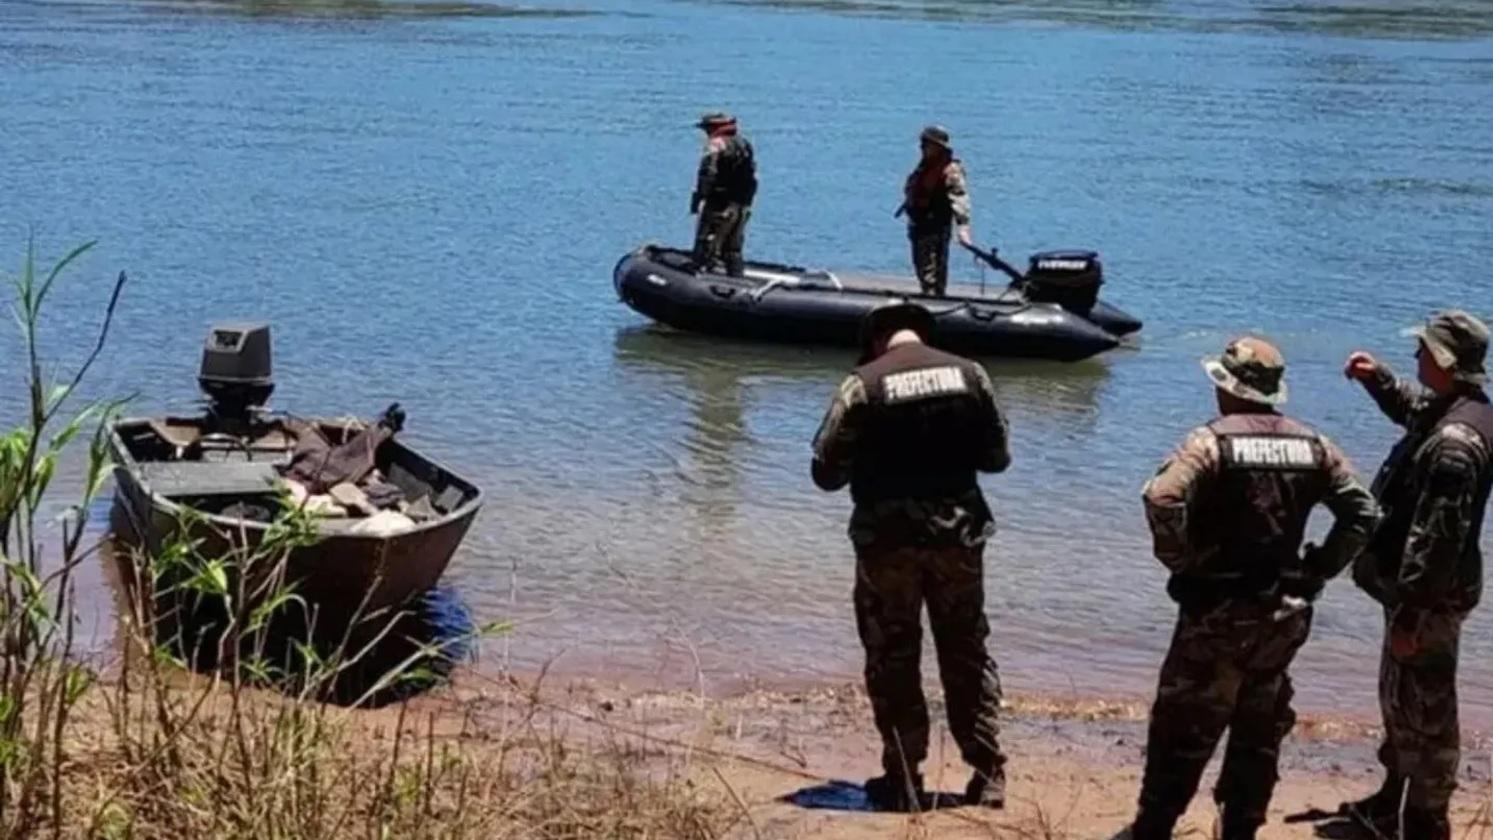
(385, 523)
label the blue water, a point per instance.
(426, 201)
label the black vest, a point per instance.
(1397, 490)
(1272, 472)
(923, 425)
(736, 174)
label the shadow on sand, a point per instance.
(839, 795)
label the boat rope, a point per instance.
(775, 283)
(779, 281)
(834, 281)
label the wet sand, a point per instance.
(790, 763)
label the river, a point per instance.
(426, 201)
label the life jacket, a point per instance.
(1272, 472)
(927, 195)
(736, 171)
(1398, 492)
(923, 425)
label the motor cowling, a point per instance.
(235, 373)
(1070, 279)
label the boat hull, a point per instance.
(339, 574)
(794, 305)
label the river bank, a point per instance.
(149, 750)
(788, 763)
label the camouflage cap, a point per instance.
(1250, 369)
(937, 135)
(890, 317)
(1459, 343)
(715, 118)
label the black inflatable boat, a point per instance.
(1032, 318)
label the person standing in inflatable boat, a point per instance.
(935, 198)
(724, 188)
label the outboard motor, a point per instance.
(235, 373)
(1070, 279)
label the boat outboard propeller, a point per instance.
(235, 374)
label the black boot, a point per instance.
(1235, 829)
(1151, 826)
(895, 792)
(1426, 824)
(987, 790)
(1380, 811)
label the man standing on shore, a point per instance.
(1227, 512)
(1424, 565)
(935, 198)
(725, 186)
(908, 430)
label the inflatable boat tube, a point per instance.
(792, 304)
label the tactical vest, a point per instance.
(923, 424)
(1398, 493)
(928, 203)
(1272, 472)
(736, 174)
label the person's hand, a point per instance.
(1361, 366)
(965, 238)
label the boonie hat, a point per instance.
(715, 118)
(1459, 343)
(936, 134)
(1250, 369)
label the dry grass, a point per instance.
(259, 767)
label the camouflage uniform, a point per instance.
(919, 530)
(935, 199)
(1227, 511)
(1425, 567)
(725, 186)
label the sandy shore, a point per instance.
(788, 761)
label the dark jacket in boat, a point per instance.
(1228, 510)
(1433, 488)
(908, 431)
(728, 173)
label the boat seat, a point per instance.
(204, 478)
(179, 436)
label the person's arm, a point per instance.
(1171, 494)
(1354, 511)
(1399, 399)
(1442, 522)
(834, 443)
(995, 443)
(958, 190)
(710, 166)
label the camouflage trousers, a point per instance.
(930, 259)
(1226, 669)
(719, 237)
(1418, 696)
(892, 584)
